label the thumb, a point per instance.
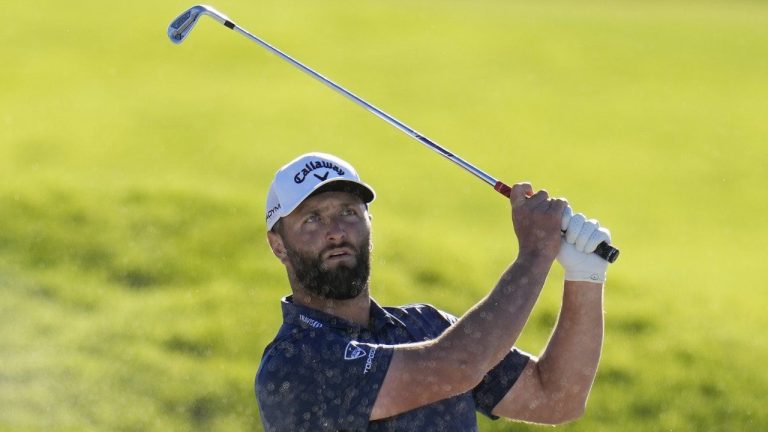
(520, 191)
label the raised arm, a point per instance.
(554, 389)
(455, 362)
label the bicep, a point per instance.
(417, 376)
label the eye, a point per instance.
(312, 218)
(349, 211)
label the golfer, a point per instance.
(340, 361)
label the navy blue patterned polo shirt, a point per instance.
(323, 373)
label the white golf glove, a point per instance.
(580, 238)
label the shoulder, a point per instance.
(432, 320)
(424, 310)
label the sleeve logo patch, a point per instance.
(353, 352)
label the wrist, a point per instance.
(583, 286)
(585, 276)
(535, 259)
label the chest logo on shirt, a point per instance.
(353, 352)
(310, 322)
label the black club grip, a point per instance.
(607, 252)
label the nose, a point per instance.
(335, 231)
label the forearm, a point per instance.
(455, 362)
(568, 365)
(484, 335)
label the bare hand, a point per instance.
(536, 218)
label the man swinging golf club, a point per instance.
(340, 361)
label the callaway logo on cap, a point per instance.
(306, 174)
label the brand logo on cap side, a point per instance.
(314, 165)
(272, 211)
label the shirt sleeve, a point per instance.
(320, 385)
(498, 381)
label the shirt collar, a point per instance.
(312, 318)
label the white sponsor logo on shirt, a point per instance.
(369, 361)
(311, 322)
(353, 351)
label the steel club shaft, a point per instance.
(181, 26)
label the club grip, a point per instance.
(603, 250)
(607, 252)
(502, 188)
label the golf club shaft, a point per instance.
(498, 185)
(604, 250)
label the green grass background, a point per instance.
(136, 287)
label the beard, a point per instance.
(340, 283)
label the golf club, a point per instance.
(183, 25)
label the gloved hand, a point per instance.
(580, 238)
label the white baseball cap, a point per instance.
(307, 174)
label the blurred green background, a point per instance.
(136, 287)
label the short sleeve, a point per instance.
(320, 385)
(498, 381)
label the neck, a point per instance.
(356, 310)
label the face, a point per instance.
(327, 245)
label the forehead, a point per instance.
(327, 200)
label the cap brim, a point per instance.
(341, 184)
(363, 191)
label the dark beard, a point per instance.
(341, 283)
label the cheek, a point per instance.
(305, 241)
(309, 239)
(362, 236)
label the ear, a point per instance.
(370, 232)
(278, 246)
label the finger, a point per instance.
(587, 229)
(557, 206)
(539, 198)
(567, 214)
(519, 193)
(600, 235)
(574, 227)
